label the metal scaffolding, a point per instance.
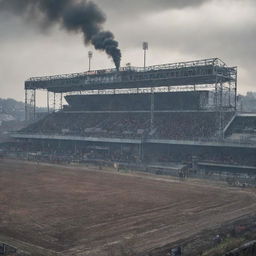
(209, 74)
(30, 105)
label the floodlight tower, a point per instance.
(145, 48)
(90, 54)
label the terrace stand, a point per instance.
(209, 74)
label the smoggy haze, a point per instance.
(176, 31)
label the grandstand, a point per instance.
(168, 125)
(161, 114)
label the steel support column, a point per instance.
(216, 94)
(26, 105)
(236, 91)
(30, 104)
(221, 111)
(61, 101)
(229, 94)
(54, 102)
(34, 107)
(152, 109)
(48, 102)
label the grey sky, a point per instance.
(176, 30)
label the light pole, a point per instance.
(145, 48)
(90, 54)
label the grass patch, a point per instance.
(225, 246)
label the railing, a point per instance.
(191, 141)
(198, 63)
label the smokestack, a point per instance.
(79, 16)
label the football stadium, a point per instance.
(175, 117)
(136, 161)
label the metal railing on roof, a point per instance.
(197, 63)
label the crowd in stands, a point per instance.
(219, 155)
(231, 158)
(186, 125)
(243, 125)
(114, 125)
(169, 125)
(190, 126)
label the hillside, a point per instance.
(11, 109)
(12, 116)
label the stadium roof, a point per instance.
(198, 72)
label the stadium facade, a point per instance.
(183, 113)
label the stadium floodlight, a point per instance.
(90, 54)
(145, 48)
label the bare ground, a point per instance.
(50, 210)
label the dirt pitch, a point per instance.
(54, 210)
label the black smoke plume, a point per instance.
(72, 15)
